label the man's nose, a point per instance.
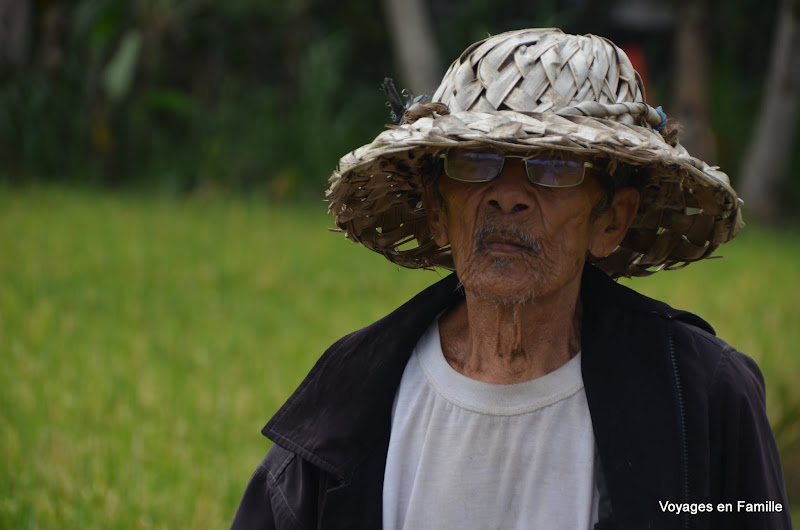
(509, 192)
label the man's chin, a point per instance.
(506, 297)
(502, 285)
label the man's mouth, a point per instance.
(503, 244)
(503, 240)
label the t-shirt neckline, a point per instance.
(489, 398)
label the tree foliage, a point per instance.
(268, 94)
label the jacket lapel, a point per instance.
(626, 372)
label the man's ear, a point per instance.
(610, 228)
(437, 218)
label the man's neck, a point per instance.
(511, 343)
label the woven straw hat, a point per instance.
(529, 90)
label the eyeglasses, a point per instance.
(484, 166)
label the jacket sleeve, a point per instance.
(282, 494)
(743, 448)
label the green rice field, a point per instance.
(145, 341)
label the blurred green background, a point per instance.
(265, 95)
(166, 276)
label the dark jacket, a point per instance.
(678, 416)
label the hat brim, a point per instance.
(688, 208)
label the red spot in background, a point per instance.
(635, 53)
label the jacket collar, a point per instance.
(341, 412)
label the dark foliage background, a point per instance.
(266, 95)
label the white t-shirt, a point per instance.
(468, 454)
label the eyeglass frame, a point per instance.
(443, 156)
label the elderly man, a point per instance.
(528, 390)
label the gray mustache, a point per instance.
(519, 237)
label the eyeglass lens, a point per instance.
(473, 166)
(555, 173)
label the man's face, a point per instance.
(513, 240)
